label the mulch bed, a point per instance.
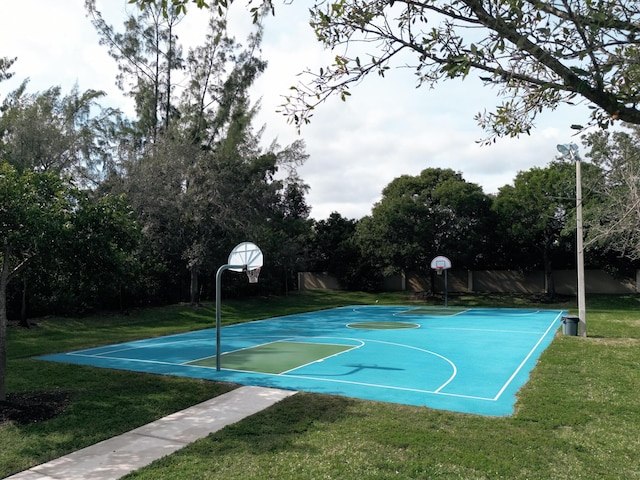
(33, 407)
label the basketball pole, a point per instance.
(218, 305)
(441, 264)
(446, 289)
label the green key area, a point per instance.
(275, 358)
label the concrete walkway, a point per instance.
(114, 458)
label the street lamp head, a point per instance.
(569, 149)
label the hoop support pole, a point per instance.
(218, 304)
(446, 290)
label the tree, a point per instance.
(613, 222)
(148, 54)
(180, 6)
(34, 207)
(49, 131)
(288, 231)
(203, 180)
(96, 259)
(197, 154)
(5, 65)
(330, 244)
(85, 243)
(334, 250)
(419, 217)
(533, 215)
(539, 54)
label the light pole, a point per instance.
(571, 150)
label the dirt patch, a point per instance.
(33, 407)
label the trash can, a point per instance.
(570, 325)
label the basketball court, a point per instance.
(464, 360)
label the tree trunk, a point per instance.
(286, 281)
(548, 273)
(4, 280)
(23, 307)
(432, 281)
(195, 298)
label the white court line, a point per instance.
(356, 340)
(386, 387)
(286, 372)
(555, 320)
(232, 351)
(109, 352)
(429, 352)
(484, 330)
(126, 359)
(278, 339)
(99, 355)
(362, 343)
(134, 345)
(152, 343)
(406, 313)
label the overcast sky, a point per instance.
(386, 129)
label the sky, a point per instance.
(387, 128)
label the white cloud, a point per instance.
(386, 129)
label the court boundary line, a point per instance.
(406, 312)
(123, 359)
(526, 359)
(483, 330)
(387, 387)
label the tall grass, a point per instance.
(577, 417)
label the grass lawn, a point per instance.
(578, 416)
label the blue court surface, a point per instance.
(463, 360)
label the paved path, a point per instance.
(114, 458)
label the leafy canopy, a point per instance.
(539, 54)
(613, 222)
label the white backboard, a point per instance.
(245, 254)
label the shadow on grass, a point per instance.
(277, 428)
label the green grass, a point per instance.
(577, 417)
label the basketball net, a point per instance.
(439, 270)
(253, 275)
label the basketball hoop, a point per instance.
(245, 257)
(253, 275)
(442, 264)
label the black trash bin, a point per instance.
(570, 325)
